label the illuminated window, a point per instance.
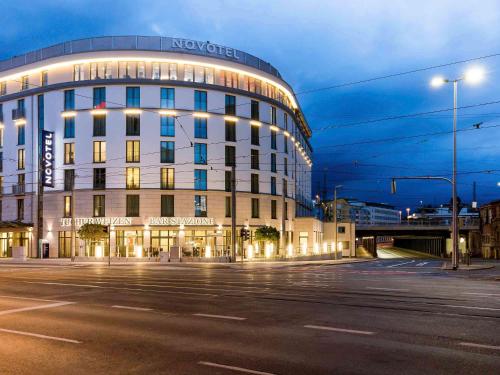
(141, 70)
(167, 179)
(69, 153)
(21, 157)
(44, 78)
(99, 152)
(3, 88)
(155, 71)
(188, 73)
(99, 206)
(25, 83)
(133, 177)
(133, 151)
(67, 206)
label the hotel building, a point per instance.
(141, 134)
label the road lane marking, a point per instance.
(482, 346)
(483, 294)
(421, 264)
(51, 305)
(31, 299)
(131, 308)
(389, 289)
(220, 316)
(234, 368)
(400, 264)
(340, 330)
(40, 336)
(473, 307)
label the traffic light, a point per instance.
(245, 234)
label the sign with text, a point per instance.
(48, 158)
(176, 221)
(79, 221)
(205, 47)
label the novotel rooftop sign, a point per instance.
(48, 158)
(205, 48)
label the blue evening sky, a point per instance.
(317, 44)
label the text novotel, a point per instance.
(205, 47)
(47, 158)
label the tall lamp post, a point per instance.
(335, 235)
(472, 76)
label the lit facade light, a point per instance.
(167, 113)
(208, 251)
(289, 250)
(98, 112)
(231, 118)
(269, 250)
(1, 125)
(438, 81)
(286, 134)
(138, 251)
(255, 123)
(68, 114)
(304, 249)
(474, 75)
(132, 111)
(98, 251)
(274, 128)
(325, 247)
(249, 251)
(21, 121)
(316, 248)
(201, 115)
(292, 138)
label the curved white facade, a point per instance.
(150, 135)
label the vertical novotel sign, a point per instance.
(47, 158)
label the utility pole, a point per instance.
(233, 213)
(73, 229)
(283, 217)
(454, 254)
(335, 234)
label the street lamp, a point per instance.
(335, 217)
(408, 215)
(472, 76)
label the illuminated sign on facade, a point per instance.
(48, 158)
(181, 221)
(205, 48)
(79, 221)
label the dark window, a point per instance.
(227, 180)
(255, 208)
(230, 156)
(99, 126)
(273, 163)
(20, 209)
(200, 205)
(133, 123)
(167, 126)
(273, 185)
(99, 206)
(21, 135)
(340, 229)
(69, 127)
(285, 188)
(254, 159)
(200, 179)
(200, 127)
(228, 206)
(273, 209)
(273, 139)
(254, 135)
(254, 183)
(69, 100)
(285, 144)
(99, 178)
(286, 210)
(132, 206)
(285, 166)
(133, 97)
(273, 115)
(167, 205)
(230, 131)
(167, 152)
(69, 179)
(200, 101)
(167, 98)
(230, 105)
(99, 97)
(255, 110)
(200, 153)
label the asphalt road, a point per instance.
(391, 316)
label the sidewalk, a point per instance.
(464, 267)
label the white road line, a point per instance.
(473, 307)
(40, 336)
(240, 369)
(482, 346)
(421, 264)
(339, 330)
(389, 289)
(483, 294)
(12, 311)
(31, 299)
(400, 264)
(131, 308)
(220, 316)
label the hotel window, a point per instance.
(69, 179)
(285, 166)
(133, 97)
(99, 152)
(21, 181)
(99, 126)
(20, 209)
(133, 178)
(99, 179)
(199, 74)
(200, 127)
(78, 72)
(3, 88)
(99, 98)
(133, 151)
(21, 134)
(273, 209)
(273, 163)
(1, 161)
(167, 205)
(254, 185)
(230, 131)
(25, 83)
(133, 125)
(167, 152)
(227, 180)
(69, 100)
(21, 157)
(273, 185)
(99, 206)
(167, 126)
(131, 70)
(228, 207)
(273, 115)
(200, 153)
(188, 73)
(229, 79)
(231, 105)
(200, 179)
(285, 188)
(167, 181)
(254, 159)
(209, 76)
(255, 208)
(200, 101)
(132, 206)
(141, 70)
(67, 206)
(285, 144)
(273, 139)
(286, 210)
(69, 153)
(255, 110)
(69, 127)
(254, 135)
(155, 71)
(44, 78)
(167, 98)
(230, 153)
(285, 120)
(200, 206)
(93, 71)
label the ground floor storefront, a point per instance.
(16, 240)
